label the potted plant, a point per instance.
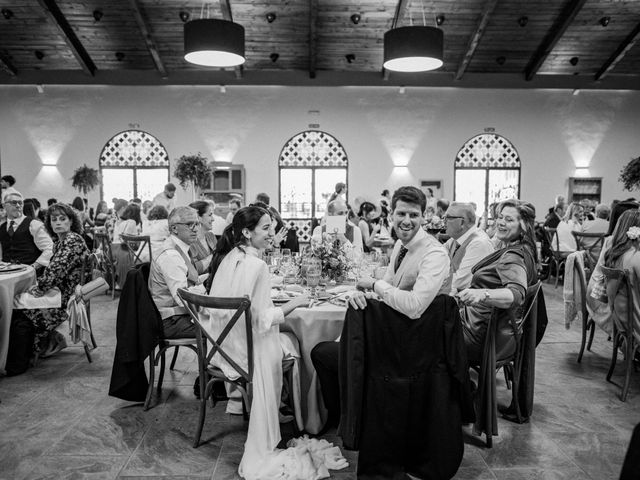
(630, 174)
(85, 179)
(193, 170)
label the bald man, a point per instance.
(352, 234)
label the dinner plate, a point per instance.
(12, 268)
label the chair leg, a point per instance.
(203, 412)
(87, 352)
(592, 327)
(628, 366)
(508, 375)
(175, 357)
(489, 440)
(614, 355)
(161, 376)
(152, 368)
(585, 327)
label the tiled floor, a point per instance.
(56, 421)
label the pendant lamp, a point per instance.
(214, 43)
(413, 49)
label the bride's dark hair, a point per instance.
(246, 217)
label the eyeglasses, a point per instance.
(193, 226)
(15, 203)
(450, 217)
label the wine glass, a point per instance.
(313, 279)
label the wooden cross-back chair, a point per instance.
(626, 336)
(592, 244)
(487, 406)
(89, 262)
(136, 245)
(558, 257)
(580, 298)
(102, 248)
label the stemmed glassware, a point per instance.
(313, 273)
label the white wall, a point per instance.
(553, 131)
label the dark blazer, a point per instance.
(137, 334)
(405, 390)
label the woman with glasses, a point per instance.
(64, 272)
(237, 270)
(202, 250)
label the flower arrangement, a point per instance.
(333, 257)
(85, 179)
(433, 223)
(633, 233)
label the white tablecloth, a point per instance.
(10, 285)
(312, 326)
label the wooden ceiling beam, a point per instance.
(401, 9)
(225, 7)
(61, 22)
(562, 22)
(474, 40)
(6, 65)
(143, 25)
(313, 37)
(626, 45)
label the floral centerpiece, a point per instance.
(333, 256)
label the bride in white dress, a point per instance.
(238, 270)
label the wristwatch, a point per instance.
(487, 296)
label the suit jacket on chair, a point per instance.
(405, 390)
(137, 334)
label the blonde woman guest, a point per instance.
(201, 251)
(572, 222)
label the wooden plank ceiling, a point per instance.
(488, 43)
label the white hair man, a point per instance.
(352, 234)
(467, 244)
(172, 269)
(23, 239)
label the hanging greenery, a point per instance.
(630, 175)
(193, 170)
(85, 179)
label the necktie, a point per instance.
(453, 248)
(400, 257)
(11, 230)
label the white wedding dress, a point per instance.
(241, 273)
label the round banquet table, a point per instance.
(11, 284)
(311, 326)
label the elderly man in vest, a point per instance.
(352, 234)
(467, 245)
(24, 239)
(172, 269)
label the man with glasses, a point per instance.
(467, 245)
(24, 239)
(172, 269)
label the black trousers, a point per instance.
(178, 326)
(325, 357)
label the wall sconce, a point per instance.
(440, 19)
(184, 16)
(350, 57)
(582, 172)
(271, 17)
(355, 18)
(522, 21)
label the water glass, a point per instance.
(313, 279)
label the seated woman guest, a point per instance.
(500, 281)
(367, 213)
(63, 272)
(572, 222)
(157, 229)
(284, 237)
(102, 214)
(202, 250)
(130, 224)
(237, 270)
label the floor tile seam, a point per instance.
(559, 448)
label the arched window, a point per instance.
(133, 163)
(310, 163)
(487, 170)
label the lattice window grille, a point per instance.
(313, 148)
(488, 150)
(303, 229)
(134, 148)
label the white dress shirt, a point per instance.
(566, 239)
(166, 202)
(218, 224)
(478, 248)
(422, 274)
(40, 237)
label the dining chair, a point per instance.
(136, 245)
(210, 374)
(106, 263)
(487, 405)
(558, 257)
(580, 299)
(86, 275)
(592, 244)
(626, 336)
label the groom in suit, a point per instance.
(417, 272)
